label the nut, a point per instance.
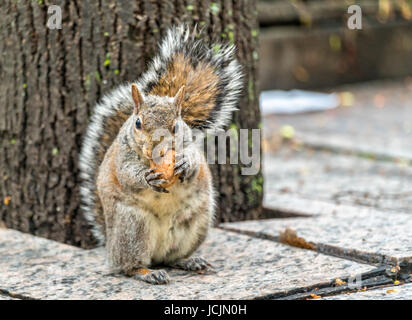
(166, 166)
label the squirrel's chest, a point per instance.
(165, 206)
(168, 213)
(168, 233)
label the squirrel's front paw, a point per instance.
(154, 180)
(182, 167)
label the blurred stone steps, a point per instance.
(376, 123)
(278, 12)
(329, 55)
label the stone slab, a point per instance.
(376, 278)
(378, 123)
(297, 175)
(401, 292)
(357, 233)
(245, 267)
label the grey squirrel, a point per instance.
(187, 85)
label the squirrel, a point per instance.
(188, 85)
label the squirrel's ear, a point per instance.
(179, 98)
(137, 98)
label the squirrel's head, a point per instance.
(157, 122)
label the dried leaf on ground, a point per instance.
(290, 237)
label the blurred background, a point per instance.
(347, 137)
(307, 43)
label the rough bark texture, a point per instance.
(51, 79)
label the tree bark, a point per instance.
(51, 79)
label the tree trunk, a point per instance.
(51, 79)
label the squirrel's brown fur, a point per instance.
(200, 82)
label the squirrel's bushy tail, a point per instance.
(212, 78)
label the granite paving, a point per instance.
(245, 268)
(303, 174)
(362, 234)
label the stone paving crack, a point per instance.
(290, 237)
(377, 278)
(12, 295)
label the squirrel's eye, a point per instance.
(175, 128)
(138, 124)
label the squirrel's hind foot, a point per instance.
(152, 276)
(192, 264)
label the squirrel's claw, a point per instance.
(149, 171)
(181, 168)
(154, 181)
(157, 182)
(153, 176)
